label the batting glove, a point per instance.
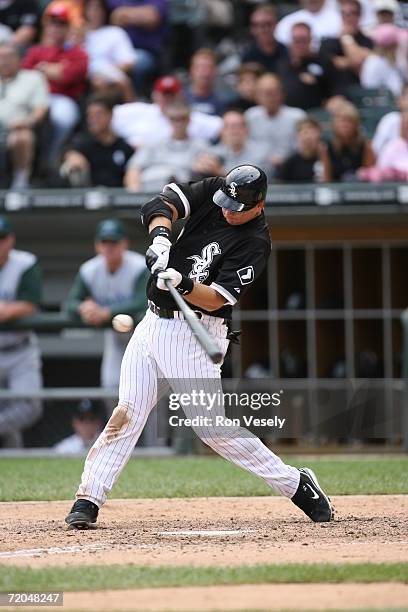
(183, 284)
(157, 255)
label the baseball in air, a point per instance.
(122, 323)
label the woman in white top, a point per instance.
(383, 67)
(111, 54)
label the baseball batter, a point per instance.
(222, 249)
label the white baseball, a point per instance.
(122, 323)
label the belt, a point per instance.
(165, 313)
(15, 347)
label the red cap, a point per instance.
(168, 85)
(58, 11)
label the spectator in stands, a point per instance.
(321, 15)
(234, 149)
(389, 126)
(22, 17)
(386, 10)
(145, 21)
(112, 282)
(306, 165)
(347, 150)
(142, 123)
(265, 49)
(247, 79)
(111, 54)
(186, 31)
(65, 67)
(201, 91)
(154, 165)
(87, 422)
(23, 107)
(350, 49)
(307, 78)
(272, 122)
(381, 67)
(394, 155)
(20, 361)
(389, 13)
(98, 157)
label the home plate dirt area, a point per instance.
(214, 531)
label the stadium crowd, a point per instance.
(136, 93)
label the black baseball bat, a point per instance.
(199, 331)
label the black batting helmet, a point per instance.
(244, 187)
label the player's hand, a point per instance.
(170, 274)
(157, 255)
(92, 313)
(183, 284)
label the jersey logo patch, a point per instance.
(199, 271)
(246, 275)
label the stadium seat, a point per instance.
(371, 98)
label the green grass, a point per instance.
(52, 479)
(136, 576)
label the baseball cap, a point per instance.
(386, 5)
(58, 11)
(110, 229)
(385, 35)
(89, 409)
(168, 85)
(5, 227)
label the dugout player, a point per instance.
(221, 251)
(20, 361)
(110, 283)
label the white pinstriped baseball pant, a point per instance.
(166, 348)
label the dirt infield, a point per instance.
(225, 531)
(270, 530)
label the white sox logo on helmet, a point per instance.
(199, 271)
(233, 189)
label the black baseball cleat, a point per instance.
(311, 498)
(83, 514)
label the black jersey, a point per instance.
(211, 251)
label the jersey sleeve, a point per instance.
(188, 197)
(77, 294)
(240, 269)
(30, 287)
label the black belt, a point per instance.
(15, 347)
(165, 313)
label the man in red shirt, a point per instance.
(65, 67)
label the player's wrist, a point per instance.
(186, 285)
(161, 231)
